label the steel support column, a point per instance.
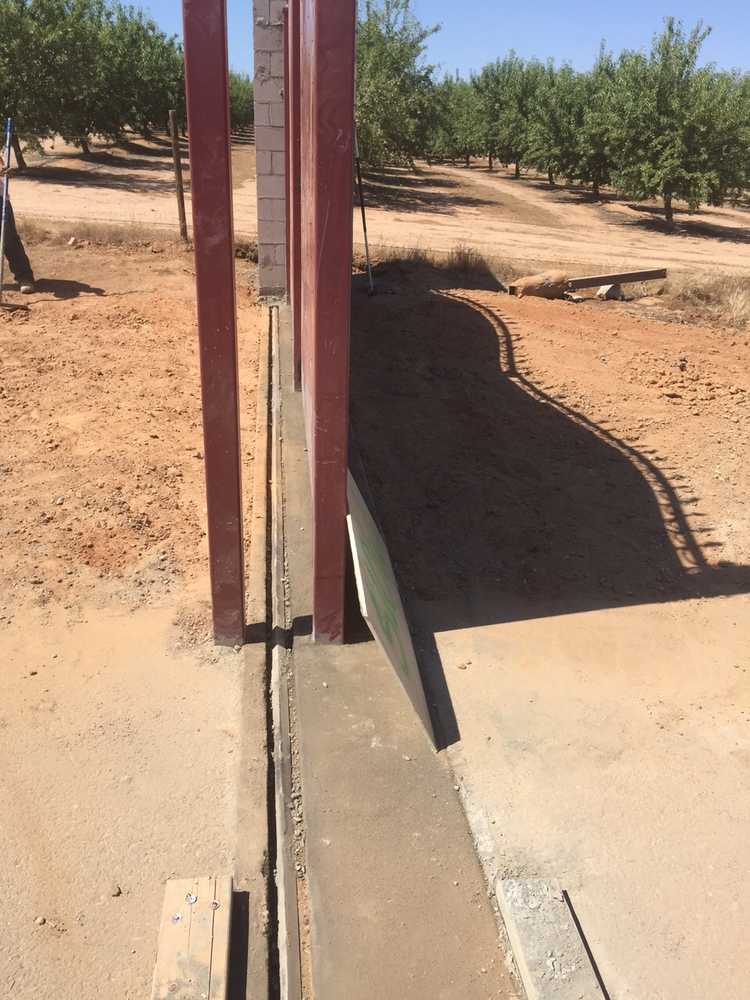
(294, 248)
(206, 84)
(327, 111)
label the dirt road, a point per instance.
(434, 209)
(121, 726)
(523, 220)
(130, 184)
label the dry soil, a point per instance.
(121, 726)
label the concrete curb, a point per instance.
(290, 974)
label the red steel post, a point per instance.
(327, 108)
(207, 93)
(294, 248)
(287, 150)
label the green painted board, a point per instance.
(380, 600)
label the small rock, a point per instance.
(72, 241)
(406, 756)
(115, 890)
(60, 501)
(40, 921)
(325, 684)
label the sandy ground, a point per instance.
(434, 208)
(438, 208)
(563, 489)
(121, 726)
(130, 184)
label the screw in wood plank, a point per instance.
(176, 918)
(215, 904)
(191, 898)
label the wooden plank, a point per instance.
(616, 279)
(193, 955)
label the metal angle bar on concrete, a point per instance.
(616, 279)
(206, 85)
(551, 956)
(290, 973)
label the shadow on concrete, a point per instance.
(498, 501)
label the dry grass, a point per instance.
(461, 260)
(721, 298)
(110, 233)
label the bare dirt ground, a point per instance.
(563, 489)
(131, 183)
(433, 208)
(120, 723)
(440, 207)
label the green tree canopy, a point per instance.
(676, 130)
(395, 99)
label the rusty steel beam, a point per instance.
(294, 215)
(327, 111)
(206, 85)
(615, 279)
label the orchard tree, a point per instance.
(593, 160)
(554, 122)
(394, 100)
(667, 124)
(241, 107)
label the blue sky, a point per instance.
(476, 31)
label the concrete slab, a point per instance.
(392, 896)
(609, 750)
(549, 951)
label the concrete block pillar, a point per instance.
(268, 38)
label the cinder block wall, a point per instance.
(268, 35)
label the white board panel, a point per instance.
(380, 600)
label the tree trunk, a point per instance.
(19, 153)
(518, 169)
(490, 160)
(668, 211)
(468, 161)
(85, 147)
(595, 187)
(550, 177)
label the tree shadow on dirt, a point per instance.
(499, 502)
(413, 192)
(652, 220)
(154, 147)
(80, 177)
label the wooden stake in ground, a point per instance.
(178, 174)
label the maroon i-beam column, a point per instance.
(206, 82)
(326, 118)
